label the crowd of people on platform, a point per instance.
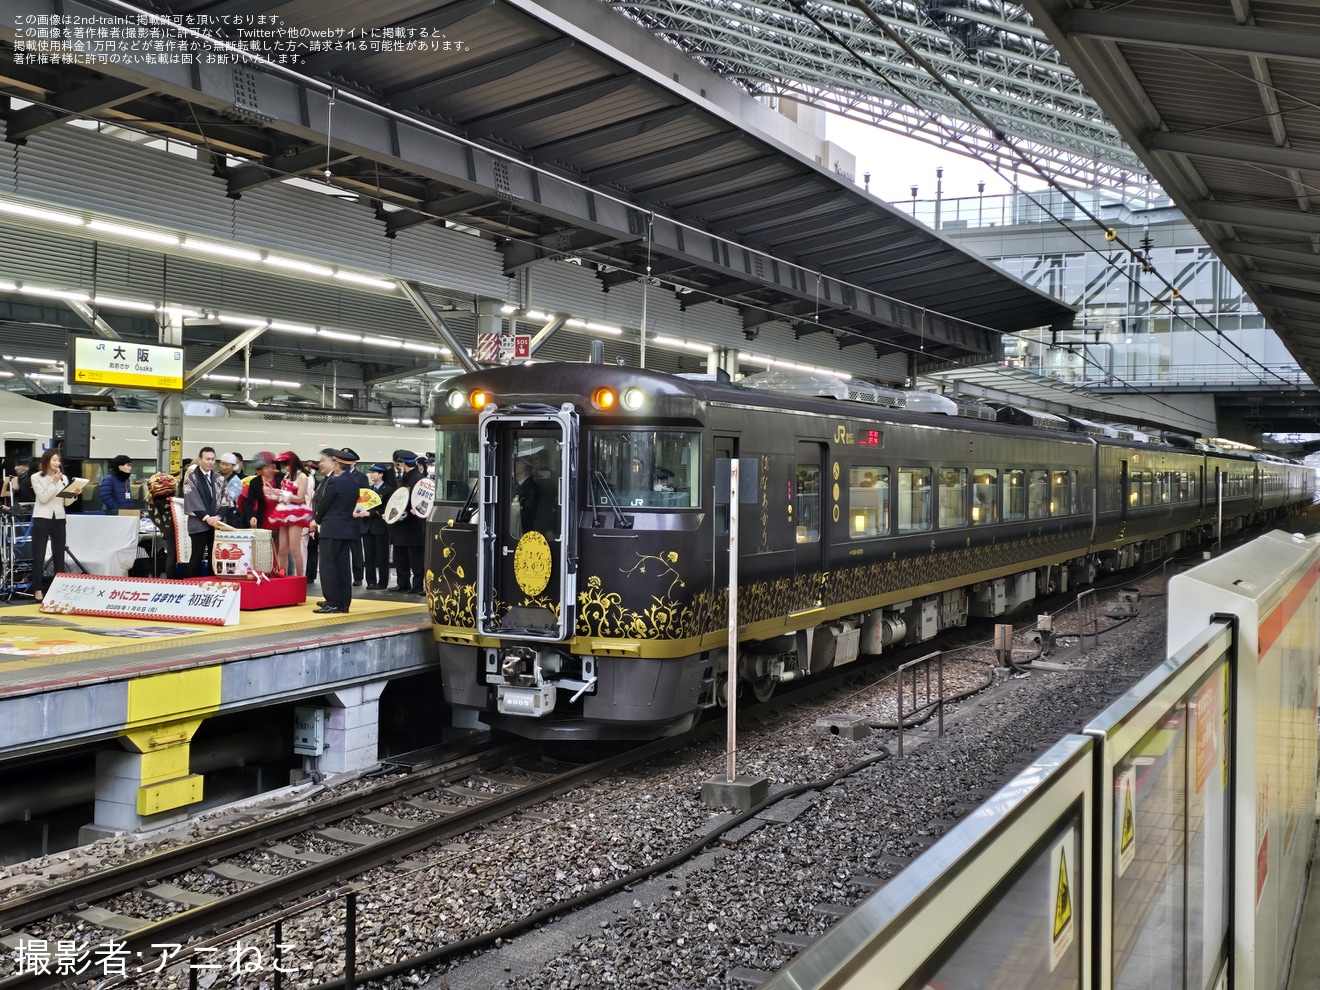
(310, 506)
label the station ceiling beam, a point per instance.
(1260, 217)
(276, 168)
(665, 156)
(80, 100)
(1222, 149)
(478, 75)
(1189, 32)
(415, 295)
(223, 354)
(603, 137)
(433, 21)
(546, 106)
(1270, 252)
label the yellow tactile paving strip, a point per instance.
(29, 639)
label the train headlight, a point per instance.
(456, 399)
(478, 399)
(632, 398)
(604, 398)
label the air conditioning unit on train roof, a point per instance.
(802, 383)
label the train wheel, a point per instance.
(763, 688)
(722, 691)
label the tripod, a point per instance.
(15, 538)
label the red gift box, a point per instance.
(268, 593)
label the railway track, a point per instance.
(489, 784)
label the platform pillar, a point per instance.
(352, 728)
(149, 782)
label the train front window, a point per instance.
(646, 470)
(457, 464)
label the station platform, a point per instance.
(1305, 972)
(72, 680)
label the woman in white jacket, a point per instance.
(48, 525)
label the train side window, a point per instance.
(1074, 494)
(1060, 504)
(868, 502)
(1148, 488)
(985, 496)
(806, 498)
(953, 498)
(1134, 488)
(1038, 493)
(1193, 481)
(913, 500)
(1015, 495)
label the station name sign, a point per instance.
(96, 361)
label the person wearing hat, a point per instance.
(116, 492)
(375, 534)
(337, 530)
(233, 482)
(259, 494)
(408, 535)
(292, 513)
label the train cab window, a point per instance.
(457, 464)
(953, 498)
(1060, 503)
(1038, 493)
(646, 470)
(1015, 495)
(985, 496)
(806, 502)
(913, 500)
(868, 502)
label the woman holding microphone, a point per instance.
(48, 524)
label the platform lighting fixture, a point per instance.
(38, 377)
(293, 265)
(536, 314)
(37, 213)
(337, 335)
(298, 328)
(45, 293)
(129, 304)
(605, 328)
(365, 280)
(31, 360)
(133, 233)
(382, 341)
(242, 321)
(180, 313)
(682, 345)
(791, 366)
(506, 309)
(8, 286)
(221, 250)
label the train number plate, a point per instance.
(530, 701)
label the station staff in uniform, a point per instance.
(375, 534)
(408, 535)
(204, 497)
(336, 529)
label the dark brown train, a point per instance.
(577, 556)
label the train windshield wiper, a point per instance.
(621, 521)
(467, 506)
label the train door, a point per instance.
(527, 553)
(808, 504)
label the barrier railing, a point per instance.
(922, 702)
(1163, 846)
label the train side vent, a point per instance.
(971, 409)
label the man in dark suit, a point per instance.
(202, 501)
(408, 535)
(337, 529)
(526, 496)
(375, 534)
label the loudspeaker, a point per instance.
(72, 433)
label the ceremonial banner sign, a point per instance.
(211, 603)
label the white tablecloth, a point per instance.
(104, 544)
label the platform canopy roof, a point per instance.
(1221, 99)
(561, 130)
